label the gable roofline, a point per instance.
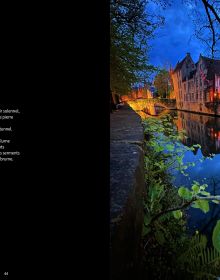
(212, 65)
(180, 64)
(209, 60)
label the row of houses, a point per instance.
(196, 86)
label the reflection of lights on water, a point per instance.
(208, 137)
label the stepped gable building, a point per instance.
(196, 86)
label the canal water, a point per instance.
(203, 130)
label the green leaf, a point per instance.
(179, 159)
(159, 237)
(205, 193)
(158, 148)
(147, 219)
(202, 205)
(195, 182)
(177, 214)
(216, 236)
(185, 193)
(216, 201)
(170, 147)
(156, 191)
(145, 230)
(195, 189)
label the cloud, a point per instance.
(175, 38)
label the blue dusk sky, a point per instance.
(175, 38)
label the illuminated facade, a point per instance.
(139, 93)
(196, 86)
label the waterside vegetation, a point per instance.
(169, 251)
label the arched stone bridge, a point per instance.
(150, 104)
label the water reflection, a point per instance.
(200, 129)
(203, 130)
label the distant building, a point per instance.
(151, 92)
(142, 92)
(196, 86)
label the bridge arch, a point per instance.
(151, 104)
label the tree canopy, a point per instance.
(206, 19)
(162, 83)
(130, 29)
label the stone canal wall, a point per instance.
(126, 193)
(200, 107)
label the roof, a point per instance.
(213, 67)
(179, 65)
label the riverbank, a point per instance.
(140, 184)
(126, 192)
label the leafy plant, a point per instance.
(199, 260)
(164, 230)
(216, 236)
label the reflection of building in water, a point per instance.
(200, 129)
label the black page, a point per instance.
(14, 82)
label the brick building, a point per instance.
(196, 86)
(147, 91)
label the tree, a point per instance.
(207, 28)
(162, 83)
(130, 29)
(212, 9)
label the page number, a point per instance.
(5, 273)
